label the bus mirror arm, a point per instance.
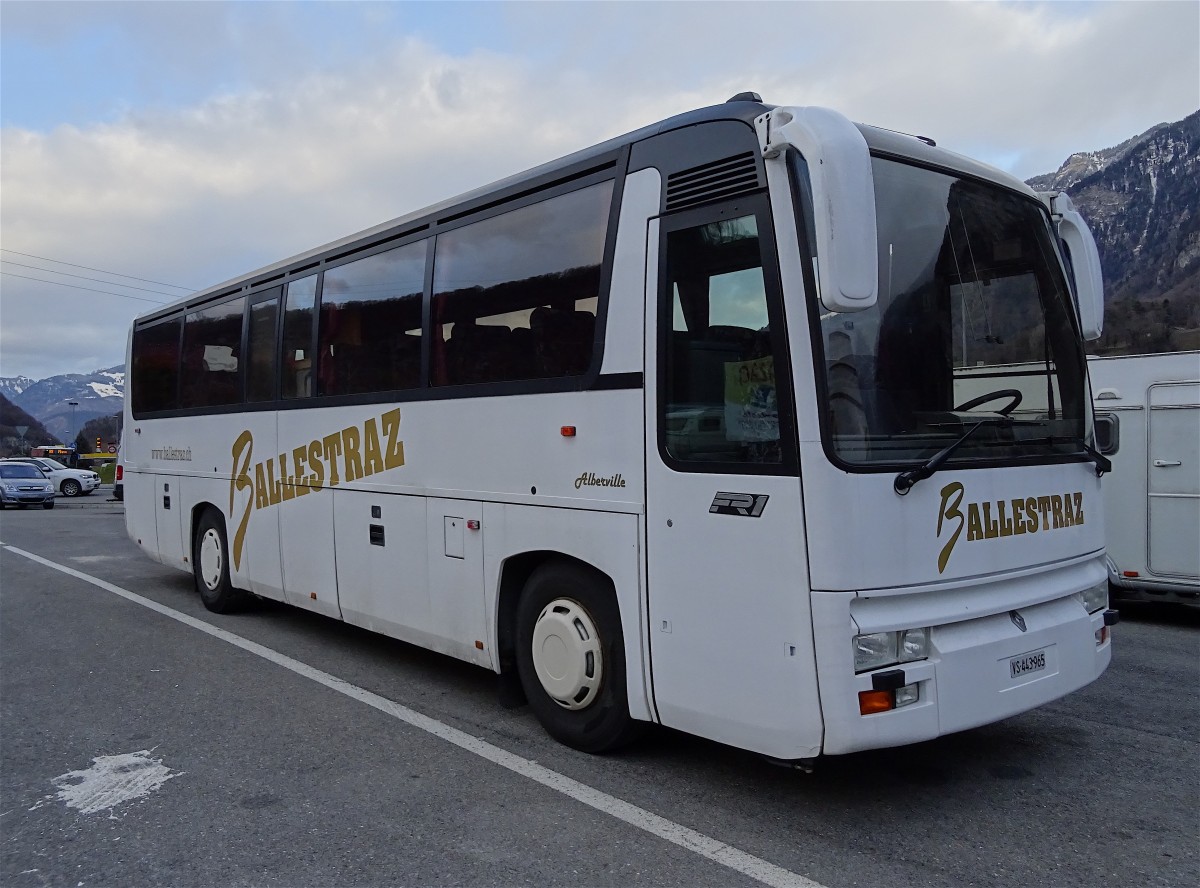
(843, 195)
(1081, 263)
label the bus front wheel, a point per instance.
(210, 564)
(571, 658)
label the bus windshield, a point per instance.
(973, 322)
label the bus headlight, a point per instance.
(1096, 597)
(914, 645)
(878, 649)
(874, 650)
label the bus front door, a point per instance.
(729, 630)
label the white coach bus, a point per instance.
(708, 426)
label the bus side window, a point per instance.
(260, 347)
(155, 372)
(515, 296)
(296, 360)
(371, 322)
(212, 342)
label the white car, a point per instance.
(68, 481)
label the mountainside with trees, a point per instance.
(1142, 201)
(19, 431)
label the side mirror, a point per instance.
(839, 166)
(1083, 263)
(1108, 433)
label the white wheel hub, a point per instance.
(566, 654)
(212, 559)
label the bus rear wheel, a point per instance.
(571, 658)
(210, 565)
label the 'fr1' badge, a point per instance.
(748, 505)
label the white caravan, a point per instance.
(712, 425)
(1148, 417)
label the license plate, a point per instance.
(1035, 661)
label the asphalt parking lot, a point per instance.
(145, 741)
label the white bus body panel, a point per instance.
(1152, 496)
(426, 583)
(623, 346)
(998, 527)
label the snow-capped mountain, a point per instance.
(1142, 201)
(97, 394)
(11, 386)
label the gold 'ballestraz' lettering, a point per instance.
(990, 520)
(348, 454)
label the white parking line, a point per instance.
(706, 846)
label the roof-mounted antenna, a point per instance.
(745, 97)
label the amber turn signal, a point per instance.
(875, 701)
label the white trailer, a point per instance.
(1149, 405)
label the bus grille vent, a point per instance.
(713, 181)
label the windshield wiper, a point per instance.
(905, 480)
(1103, 463)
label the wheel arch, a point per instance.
(515, 572)
(198, 509)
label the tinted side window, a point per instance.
(721, 400)
(371, 322)
(515, 296)
(212, 345)
(296, 360)
(155, 373)
(260, 347)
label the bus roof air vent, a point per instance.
(716, 180)
(745, 97)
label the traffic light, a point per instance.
(99, 447)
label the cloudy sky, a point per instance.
(180, 144)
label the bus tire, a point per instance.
(571, 658)
(210, 566)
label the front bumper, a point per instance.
(969, 678)
(26, 497)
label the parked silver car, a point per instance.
(24, 485)
(67, 481)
